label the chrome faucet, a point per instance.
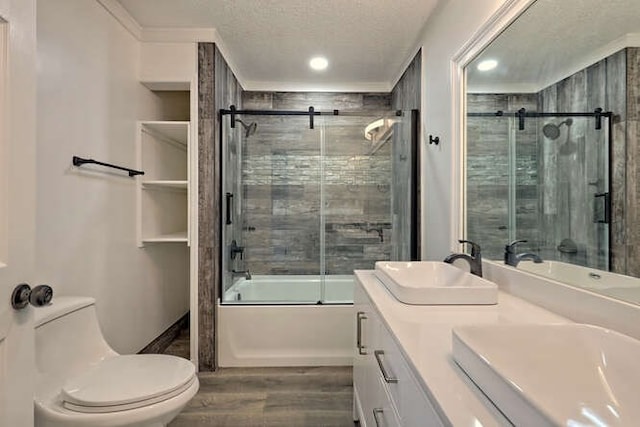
(474, 259)
(510, 257)
(245, 273)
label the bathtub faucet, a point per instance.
(474, 259)
(245, 273)
(512, 259)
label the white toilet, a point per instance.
(81, 381)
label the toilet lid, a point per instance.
(130, 381)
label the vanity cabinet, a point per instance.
(163, 202)
(386, 392)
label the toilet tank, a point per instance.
(68, 336)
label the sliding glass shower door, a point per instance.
(306, 206)
(274, 173)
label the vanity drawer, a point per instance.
(407, 396)
(385, 414)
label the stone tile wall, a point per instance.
(282, 171)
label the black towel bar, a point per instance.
(79, 161)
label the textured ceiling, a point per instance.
(367, 42)
(552, 40)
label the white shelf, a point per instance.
(180, 237)
(175, 131)
(165, 184)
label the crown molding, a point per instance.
(179, 35)
(404, 66)
(123, 16)
(373, 87)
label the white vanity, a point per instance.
(404, 368)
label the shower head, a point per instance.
(249, 129)
(552, 131)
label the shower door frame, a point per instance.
(414, 196)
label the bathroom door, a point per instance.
(17, 206)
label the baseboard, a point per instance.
(160, 344)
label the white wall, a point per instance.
(89, 99)
(453, 23)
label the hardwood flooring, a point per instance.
(267, 397)
(271, 397)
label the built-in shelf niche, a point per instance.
(163, 153)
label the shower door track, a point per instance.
(311, 112)
(522, 113)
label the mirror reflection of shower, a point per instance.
(249, 129)
(552, 132)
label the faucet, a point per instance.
(245, 273)
(510, 257)
(235, 250)
(474, 259)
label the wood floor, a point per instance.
(267, 397)
(278, 397)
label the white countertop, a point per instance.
(424, 336)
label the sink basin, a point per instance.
(431, 282)
(552, 375)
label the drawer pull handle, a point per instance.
(389, 379)
(376, 413)
(360, 317)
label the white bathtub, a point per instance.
(603, 282)
(291, 290)
(289, 329)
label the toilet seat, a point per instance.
(127, 382)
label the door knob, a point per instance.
(41, 295)
(20, 296)
(23, 295)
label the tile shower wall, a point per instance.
(629, 244)
(405, 96)
(282, 171)
(489, 173)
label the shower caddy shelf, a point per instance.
(163, 197)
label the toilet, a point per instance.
(81, 381)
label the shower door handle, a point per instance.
(360, 316)
(229, 197)
(604, 209)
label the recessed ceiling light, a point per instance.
(319, 63)
(487, 64)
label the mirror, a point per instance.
(552, 144)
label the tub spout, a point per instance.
(245, 273)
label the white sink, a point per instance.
(554, 375)
(430, 282)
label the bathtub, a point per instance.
(613, 285)
(291, 290)
(277, 321)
